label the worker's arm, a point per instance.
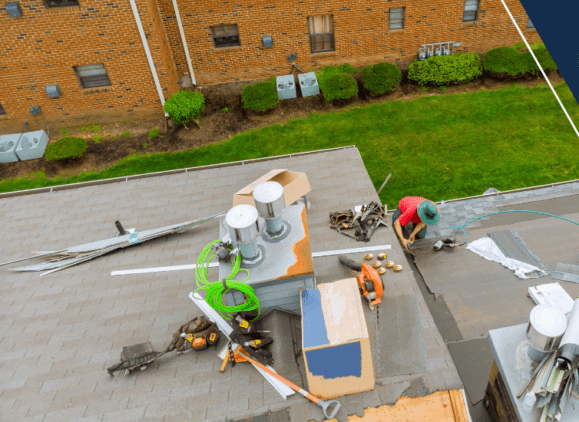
(417, 229)
(398, 230)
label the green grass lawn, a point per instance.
(439, 147)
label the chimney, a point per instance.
(244, 230)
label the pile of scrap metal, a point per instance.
(64, 258)
(556, 378)
(364, 220)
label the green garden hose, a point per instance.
(503, 212)
(214, 291)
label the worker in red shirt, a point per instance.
(417, 213)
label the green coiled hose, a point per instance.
(214, 291)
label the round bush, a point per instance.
(381, 77)
(507, 61)
(339, 87)
(184, 106)
(445, 70)
(66, 148)
(260, 96)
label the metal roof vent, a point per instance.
(270, 202)
(242, 222)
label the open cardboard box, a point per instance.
(336, 344)
(295, 185)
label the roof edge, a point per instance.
(158, 174)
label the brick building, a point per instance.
(94, 51)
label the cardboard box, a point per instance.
(295, 185)
(335, 340)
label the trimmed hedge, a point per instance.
(340, 87)
(260, 96)
(381, 77)
(337, 82)
(444, 70)
(184, 106)
(509, 61)
(66, 148)
(545, 59)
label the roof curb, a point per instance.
(158, 174)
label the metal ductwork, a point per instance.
(242, 222)
(270, 203)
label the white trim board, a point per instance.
(216, 264)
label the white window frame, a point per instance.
(470, 13)
(92, 76)
(325, 39)
(398, 21)
(225, 36)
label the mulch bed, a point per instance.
(219, 125)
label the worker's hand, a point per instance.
(411, 238)
(405, 243)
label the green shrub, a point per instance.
(97, 138)
(339, 87)
(445, 70)
(184, 106)
(154, 133)
(545, 59)
(381, 77)
(66, 148)
(260, 96)
(327, 71)
(336, 82)
(508, 61)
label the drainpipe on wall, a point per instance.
(148, 53)
(184, 41)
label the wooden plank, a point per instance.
(499, 399)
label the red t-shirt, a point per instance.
(408, 206)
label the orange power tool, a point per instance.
(369, 280)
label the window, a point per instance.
(92, 75)
(397, 18)
(61, 3)
(321, 29)
(530, 24)
(470, 10)
(2, 112)
(225, 36)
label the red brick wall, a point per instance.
(42, 47)
(361, 33)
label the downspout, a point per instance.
(148, 53)
(184, 41)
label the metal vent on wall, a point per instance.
(14, 10)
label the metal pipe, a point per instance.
(184, 41)
(120, 228)
(148, 53)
